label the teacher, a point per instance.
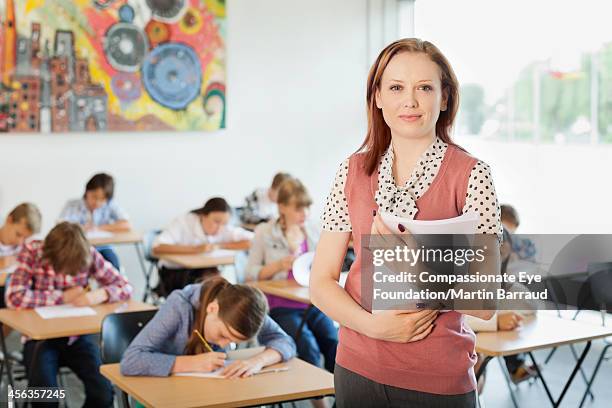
(408, 166)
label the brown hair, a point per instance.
(509, 213)
(28, 212)
(215, 204)
(67, 248)
(278, 180)
(378, 135)
(103, 181)
(242, 308)
(293, 192)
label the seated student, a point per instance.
(98, 210)
(202, 230)
(54, 272)
(522, 248)
(505, 320)
(222, 313)
(261, 203)
(21, 223)
(276, 245)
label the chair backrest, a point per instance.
(147, 241)
(600, 280)
(118, 331)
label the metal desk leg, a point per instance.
(506, 374)
(145, 273)
(602, 356)
(569, 380)
(482, 367)
(7, 361)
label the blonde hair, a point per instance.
(28, 212)
(293, 192)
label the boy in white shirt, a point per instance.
(261, 204)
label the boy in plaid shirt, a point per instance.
(56, 272)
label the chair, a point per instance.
(600, 280)
(148, 240)
(118, 331)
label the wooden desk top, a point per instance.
(300, 382)
(288, 289)
(198, 260)
(30, 324)
(539, 332)
(129, 237)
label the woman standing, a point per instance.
(407, 166)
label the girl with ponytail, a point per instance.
(222, 313)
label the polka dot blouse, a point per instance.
(401, 200)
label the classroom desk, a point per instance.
(287, 289)
(301, 381)
(542, 332)
(30, 324)
(126, 238)
(197, 261)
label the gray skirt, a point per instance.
(353, 390)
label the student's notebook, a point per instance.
(62, 311)
(232, 356)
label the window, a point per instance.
(529, 70)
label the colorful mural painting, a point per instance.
(112, 65)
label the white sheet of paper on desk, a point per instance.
(62, 311)
(98, 234)
(463, 224)
(221, 253)
(232, 355)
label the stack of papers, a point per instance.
(464, 224)
(232, 356)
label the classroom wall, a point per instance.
(296, 78)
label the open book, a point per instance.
(232, 356)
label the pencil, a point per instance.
(204, 341)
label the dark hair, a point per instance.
(215, 204)
(242, 308)
(378, 135)
(103, 181)
(30, 213)
(509, 213)
(278, 180)
(67, 249)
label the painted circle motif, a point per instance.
(125, 46)
(126, 86)
(126, 14)
(157, 32)
(172, 75)
(191, 22)
(167, 11)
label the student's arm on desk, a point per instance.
(114, 287)
(119, 226)
(334, 301)
(6, 261)
(236, 245)
(143, 356)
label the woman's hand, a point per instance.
(243, 368)
(508, 321)
(401, 326)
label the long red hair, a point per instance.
(378, 136)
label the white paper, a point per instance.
(463, 224)
(98, 234)
(301, 268)
(55, 312)
(220, 253)
(232, 356)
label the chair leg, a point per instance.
(125, 401)
(582, 374)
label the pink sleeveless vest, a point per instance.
(442, 363)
